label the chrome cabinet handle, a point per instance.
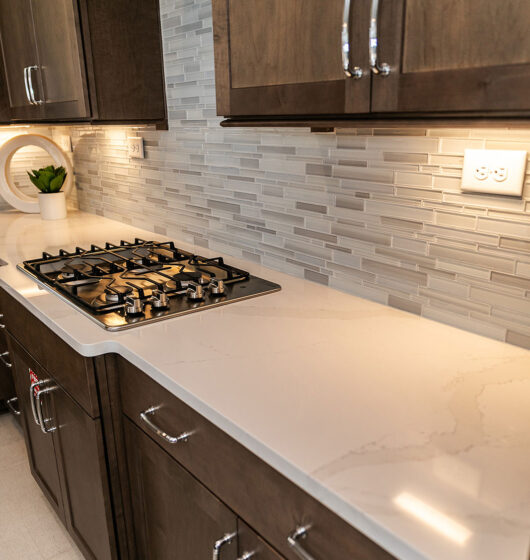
(32, 388)
(227, 539)
(3, 357)
(292, 541)
(247, 555)
(26, 85)
(356, 72)
(31, 89)
(380, 69)
(11, 405)
(2, 326)
(144, 416)
(42, 420)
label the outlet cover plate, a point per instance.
(135, 147)
(494, 171)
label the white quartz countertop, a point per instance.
(416, 433)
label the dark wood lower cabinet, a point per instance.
(40, 446)
(81, 459)
(125, 491)
(7, 388)
(175, 516)
(66, 458)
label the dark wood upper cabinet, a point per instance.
(284, 57)
(83, 60)
(281, 59)
(124, 60)
(453, 56)
(60, 65)
(20, 60)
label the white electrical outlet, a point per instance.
(494, 171)
(135, 147)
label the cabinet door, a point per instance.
(175, 517)
(40, 446)
(5, 115)
(61, 66)
(284, 57)
(81, 459)
(20, 59)
(7, 389)
(453, 55)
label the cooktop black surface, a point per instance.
(125, 285)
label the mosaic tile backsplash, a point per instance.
(373, 212)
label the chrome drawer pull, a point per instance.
(32, 388)
(381, 69)
(11, 405)
(2, 326)
(227, 539)
(144, 416)
(42, 420)
(247, 555)
(292, 540)
(3, 357)
(354, 72)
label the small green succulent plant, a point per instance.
(48, 179)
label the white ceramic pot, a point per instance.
(52, 205)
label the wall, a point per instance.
(377, 213)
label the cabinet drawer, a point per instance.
(272, 505)
(71, 370)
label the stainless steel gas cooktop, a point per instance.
(126, 285)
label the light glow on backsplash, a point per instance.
(374, 212)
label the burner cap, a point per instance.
(117, 294)
(70, 270)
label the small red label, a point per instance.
(33, 379)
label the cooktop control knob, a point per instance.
(160, 299)
(216, 287)
(195, 292)
(133, 305)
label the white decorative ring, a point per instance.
(8, 190)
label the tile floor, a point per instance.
(29, 528)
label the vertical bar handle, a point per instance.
(379, 69)
(32, 388)
(31, 88)
(26, 85)
(356, 72)
(293, 541)
(2, 325)
(42, 420)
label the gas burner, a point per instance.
(132, 283)
(75, 270)
(117, 294)
(143, 265)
